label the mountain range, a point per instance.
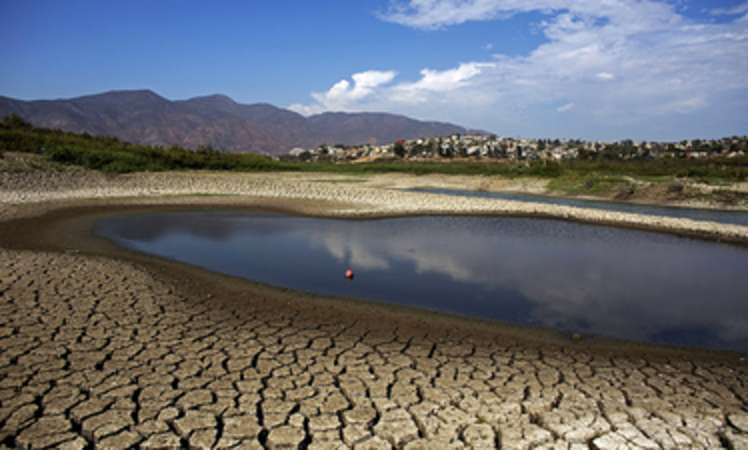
(144, 117)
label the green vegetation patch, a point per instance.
(714, 171)
(591, 184)
(537, 169)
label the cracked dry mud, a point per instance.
(100, 353)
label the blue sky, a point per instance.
(646, 70)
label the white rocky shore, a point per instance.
(352, 199)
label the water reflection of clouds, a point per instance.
(214, 226)
(616, 282)
(350, 253)
(623, 283)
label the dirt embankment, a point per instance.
(376, 196)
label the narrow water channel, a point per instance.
(719, 216)
(598, 280)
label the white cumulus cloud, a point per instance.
(373, 90)
(634, 68)
(344, 95)
(437, 83)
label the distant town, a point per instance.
(516, 149)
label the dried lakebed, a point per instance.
(573, 277)
(107, 348)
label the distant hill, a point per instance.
(144, 117)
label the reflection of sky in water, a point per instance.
(600, 280)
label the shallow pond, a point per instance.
(591, 279)
(720, 216)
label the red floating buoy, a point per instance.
(349, 274)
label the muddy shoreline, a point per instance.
(378, 198)
(69, 230)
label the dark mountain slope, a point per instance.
(142, 116)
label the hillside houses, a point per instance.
(518, 149)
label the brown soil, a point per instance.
(107, 348)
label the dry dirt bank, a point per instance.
(353, 199)
(693, 195)
(108, 349)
